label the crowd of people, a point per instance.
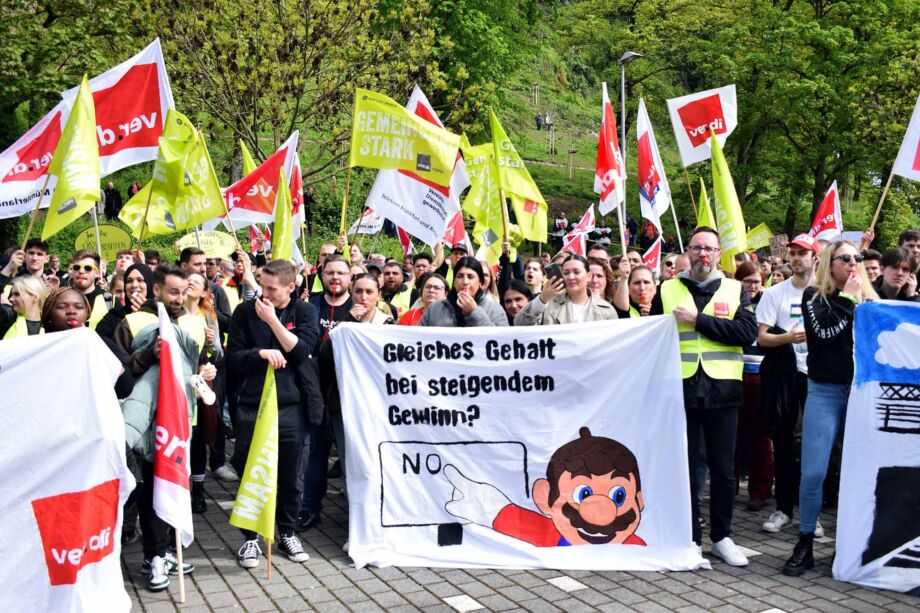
(762, 349)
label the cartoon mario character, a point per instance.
(592, 495)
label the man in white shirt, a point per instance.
(784, 371)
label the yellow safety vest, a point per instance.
(100, 308)
(317, 286)
(401, 301)
(233, 297)
(633, 312)
(719, 361)
(192, 325)
(19, 329)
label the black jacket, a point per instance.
(829, 331)
(298, 383)
(701, 390)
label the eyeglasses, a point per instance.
(845, 258)
(82, 268)
(434, 288)
(751, 281)
(697, 249)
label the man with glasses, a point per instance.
(84, 274)
(715, 320)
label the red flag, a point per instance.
(254, 238)
(405, 241)
(652, 257)
(828, 223)
(576, 240)
(171, 496)
(610, 172)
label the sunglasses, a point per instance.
(669, 264)
(82, 268)
(847, 257)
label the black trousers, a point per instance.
(718, 429)
(292, 430)
(785, 452)
(154, 531)
(199, 450)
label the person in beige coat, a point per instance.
(566, 300)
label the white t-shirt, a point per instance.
(781, 305)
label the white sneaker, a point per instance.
(345, 547)
(248, 555)
(159, 576)
(729, 552)
(226, 473)
(819, 530)
(778, 520)
(290, 546)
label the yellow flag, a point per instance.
(704, 216)
(758, 237)
(254, 508)
(385, 135)
(728, 210)
(283, 237)
(513, 177)
(483, 202)
(75, 163)
(248, 163)
(531, 217)
(159, 219)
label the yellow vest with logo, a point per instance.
(19, 329)
(192, 325)
(401, 301)
(100, 308)
(719, 361)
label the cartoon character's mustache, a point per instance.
(593, 533)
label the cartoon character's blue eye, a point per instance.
(618, 495)
(581, 492)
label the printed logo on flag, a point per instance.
(123, 122)
(488, 238)
(702, 116)
(77, 528)
(423, 162)
(531, 207)
(35, 157)
(649, 179)
(68, 204)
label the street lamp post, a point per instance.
(624, 60)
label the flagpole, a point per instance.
(680, 241)
(96, 226)
(144, 220)
(354, 239)
(881, 201)
(41, 195)
(181, 569)
(197, 237)
(342, 227)
(268, 544)
(504, 217)
(622, 227)
(689, 188)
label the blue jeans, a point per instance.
(825, 414)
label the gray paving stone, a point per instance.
(667, 599)
(572, 605)
(497, 602)
(539, 606)
(388, 599)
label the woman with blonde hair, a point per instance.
(828, 308)
(22, 317)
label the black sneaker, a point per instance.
(802, 557)
(171, 565)
(290, 546)
(248, 555)
(307, 520)
(199, 504)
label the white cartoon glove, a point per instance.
(475, 502)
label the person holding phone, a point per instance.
(566, 297)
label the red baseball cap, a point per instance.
(805, 241)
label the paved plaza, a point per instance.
(329, 581)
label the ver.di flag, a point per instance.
(610, 171)
(759, 237)
(283, 242)
(652, 256)
(172, 500)
(483, 202)
(696, 116)
(386, 136)
(254, 508)
(654, 192)
(449, 464)
(420, 206)
(828, 222)
(184, 191)
(513, 177)
(730, 220)
(576, 240)
(76, 165)
(907, 164)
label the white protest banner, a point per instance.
(696, 115)
(878, 535)
(907, 164)
(64, 478)
(422, 208)
(370, 222)
(468, 448)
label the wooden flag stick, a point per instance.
(144, 220)
(881, 201)
(680, 241)
(181, 569)
(354, 238)
(504, 217)
(41, 195)
(342, 226)
(268, 544)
